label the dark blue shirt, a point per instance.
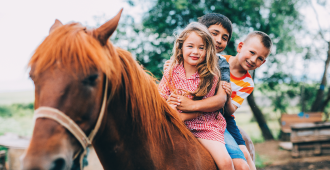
(224, 69)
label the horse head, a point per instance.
(70, 70)
(85, 87)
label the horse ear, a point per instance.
(104, 32)
(55, 25)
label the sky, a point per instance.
(24, 25)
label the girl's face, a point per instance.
(193, 50)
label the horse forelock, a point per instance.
(73, 48)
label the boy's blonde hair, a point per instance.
(206, 69)
(264, 39)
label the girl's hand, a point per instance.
(167, 64)
(185, 104)
(173, 100)
(173, 106)
(227, 87)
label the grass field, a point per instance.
(16, 116)
(20, 122)
(18, 119)
(247, 123)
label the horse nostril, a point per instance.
(58, 164)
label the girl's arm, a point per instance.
(209, 104)
(188, 116)
(172, 101)
(164, 90)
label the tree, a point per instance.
(277, 18)
(266, 133)
(154, 38)
(320, 101)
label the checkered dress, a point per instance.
(210, 125)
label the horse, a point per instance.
(85, 86)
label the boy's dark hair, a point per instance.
(264, 38)
(216, 19)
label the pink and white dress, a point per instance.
(210, 125)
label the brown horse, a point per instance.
(137, 129)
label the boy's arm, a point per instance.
(209, 104)
(230, 108)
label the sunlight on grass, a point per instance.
(260, 161)
(18, 119)
(251, 127)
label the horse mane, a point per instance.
(72, 47)
(149, 110)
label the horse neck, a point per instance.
(120, 145)
(124, 144)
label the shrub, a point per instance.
(5, 111)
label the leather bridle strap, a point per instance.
(70, 125)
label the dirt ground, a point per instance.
(274, 157)
(279, 159)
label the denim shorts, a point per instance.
(232, 147)
(233, 130)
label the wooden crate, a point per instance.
(287, 120)
(310, 139)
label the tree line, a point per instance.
(151, 42)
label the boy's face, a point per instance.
(252, 53)
(220, 36)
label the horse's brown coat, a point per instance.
(139, 130)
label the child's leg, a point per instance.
(219, 153)
(235, 152)
(247, 157)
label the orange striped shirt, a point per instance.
(242, 87)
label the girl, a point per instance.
(194, 73)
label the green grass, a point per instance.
(260, 161)
(16, 118)
(247, 123)
(3, 148)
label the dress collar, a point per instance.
(179, 69)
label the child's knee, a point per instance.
(246, 154)
(240, 164)
(243, 166)
(226, 163)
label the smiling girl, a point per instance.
(195, 73)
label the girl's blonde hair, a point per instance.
(207, 69)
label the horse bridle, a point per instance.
(70, 125)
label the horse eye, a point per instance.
(90, 80)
